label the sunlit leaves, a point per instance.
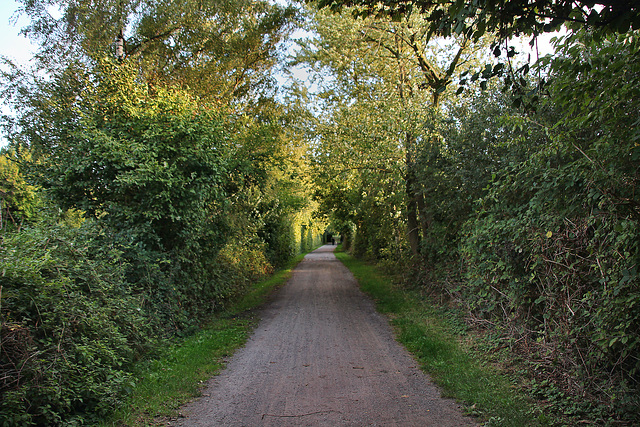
(150, 161)
(505, 19)
(222, 50)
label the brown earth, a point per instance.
(322, 356)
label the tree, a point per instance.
(178, 160)
(389, 67)
(221, 50)
(218, 54)
(504, 19)
(150, 163)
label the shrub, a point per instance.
(71, 327)
(553, 254)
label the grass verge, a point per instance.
(163, 385)
(436, 342)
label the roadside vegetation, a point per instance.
(165, 383)
(161, 160)
(516, 205)
(138, 201)
(440, 341)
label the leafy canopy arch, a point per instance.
(502, 18)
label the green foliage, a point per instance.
(554, 251)
(458, 160)
(528, 218)
(222, 51)
(433, 338)
(147, 163)
(184, 207)
(269, 184)
(19, 201)
(149, 166)
(379, 121)
(71, 326)
(475, 18)
(503, 22)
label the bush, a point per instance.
(553, 254)
(71, 327)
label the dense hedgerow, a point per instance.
(71, 325)
(532, 225)
(80, 308)
(173, 220)
(553, 254)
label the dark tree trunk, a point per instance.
(413, 227)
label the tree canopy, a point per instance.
(527, 217)
(223, 50)
(502, 18)
(156, 170)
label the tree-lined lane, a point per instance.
(322, 356)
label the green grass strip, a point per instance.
(165, 384)
(435, 340)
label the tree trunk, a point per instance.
(422, 214)
(120, 45)
(413, 227)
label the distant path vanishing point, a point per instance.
(322, 356)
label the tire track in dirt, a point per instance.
(322, 356)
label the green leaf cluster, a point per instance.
(223, 51)
(71, 326)
(553, 253)
(19, 201)
(381, 113)
(149, 164)
(507, 19)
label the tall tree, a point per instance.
(378, 62)
(221, 50)
(504, 19)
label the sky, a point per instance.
(12, 45)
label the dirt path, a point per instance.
(322, 356)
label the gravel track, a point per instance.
(322, 356)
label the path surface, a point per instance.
(322, 356)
